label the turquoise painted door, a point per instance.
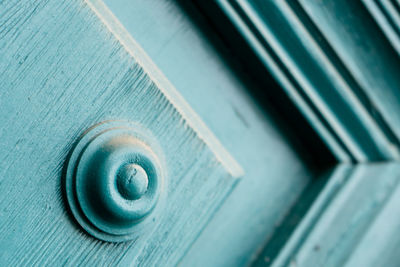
(199, 133)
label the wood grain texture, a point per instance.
(184, 46)
(62, 70)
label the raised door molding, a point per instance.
(333, 62)
(338, 63)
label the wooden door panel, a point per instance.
(307, 57)
(303, 94)
(187, 50)
(67, 66)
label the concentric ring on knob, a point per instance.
(114, 180)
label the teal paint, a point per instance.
(294, 48)
(278, 249)
(132, 181)
(380, 244)
(386, 15)
(368, 56)
(338, 218)
(62, 71)
(102, 79)
(309, 47)
(263, 144)
(100, 193)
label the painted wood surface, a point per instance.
(282, 213)
(368, 55)
(344, 211)
(383, 234)
(338, 61)
(187, 50)
(66, 65)
(332, 60)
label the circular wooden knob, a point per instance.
(114, 180)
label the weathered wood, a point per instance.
(32, 106)
(62, 70)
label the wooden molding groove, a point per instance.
(338, 62)
(387, 15)
(299, 48)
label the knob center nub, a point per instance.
(132, 181)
